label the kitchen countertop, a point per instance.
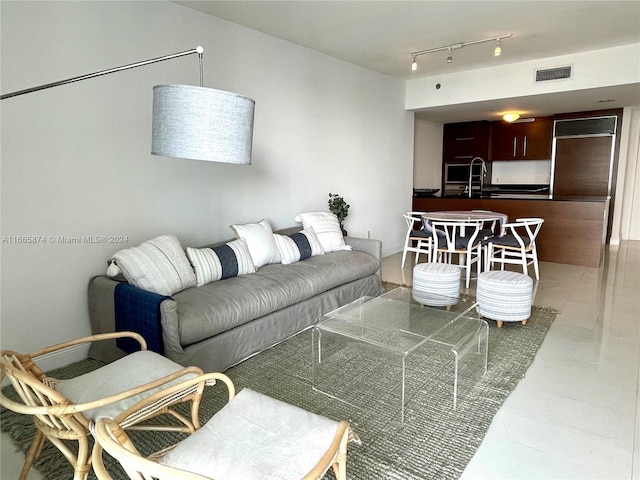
(529, 196)
(574, 230)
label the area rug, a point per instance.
(436, 441)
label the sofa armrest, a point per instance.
(102, 317)
(115, 305)
(367, 245)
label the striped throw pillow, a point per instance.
(298, 246)
(229, 260)
(158, 265)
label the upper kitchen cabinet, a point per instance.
(527, 139)
(464, 141)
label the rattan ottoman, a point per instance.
(436, 284)
(505, 296)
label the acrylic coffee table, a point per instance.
(365, 348)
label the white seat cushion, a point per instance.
(255, 437)
(124, 374)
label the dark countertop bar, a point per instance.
(525, 196)
(574, 231)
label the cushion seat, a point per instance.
(124, 374)
(420, 234)
(255, 436)
(214, 308)
(436, 284)
(510, 241)
(505, 296)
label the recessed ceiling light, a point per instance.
(511, 117)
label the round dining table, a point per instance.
(467, 215)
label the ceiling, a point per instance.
(381, 35)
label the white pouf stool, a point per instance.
(436, 284)
(505, 296)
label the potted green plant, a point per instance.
(339, 208)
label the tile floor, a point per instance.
(576, 414)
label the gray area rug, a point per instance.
(436, 441)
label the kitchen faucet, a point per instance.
(482, 175)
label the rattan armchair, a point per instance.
(65, 410)
(253, 437)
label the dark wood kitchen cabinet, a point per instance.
(523, 140)
(464, 141)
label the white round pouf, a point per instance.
(505, 296)
(436, 284)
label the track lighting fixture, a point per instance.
(498, 50)
(454, 46)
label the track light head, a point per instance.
(454, 46)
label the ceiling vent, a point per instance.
(558, 73)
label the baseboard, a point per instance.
(387, 252)
(61, 358)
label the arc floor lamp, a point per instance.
(189, 121)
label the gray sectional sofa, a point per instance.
(219, 324)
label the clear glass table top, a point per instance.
(396, 321)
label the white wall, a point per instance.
(590, 70)
(626, 218)
(427, 154)
(75, 159)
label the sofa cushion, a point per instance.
(298, 246)
(224, 261)
(217, 307)
(158, 265)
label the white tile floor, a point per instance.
(576, 414)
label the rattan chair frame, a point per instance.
(57, 419)
(111, 437)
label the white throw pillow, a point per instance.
(259, 238)
(158, 265)
(224, 261)
(326, 227)
(298, 246)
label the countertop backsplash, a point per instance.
(521, 172)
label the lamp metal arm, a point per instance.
(199, 50)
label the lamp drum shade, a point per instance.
(202, 124)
